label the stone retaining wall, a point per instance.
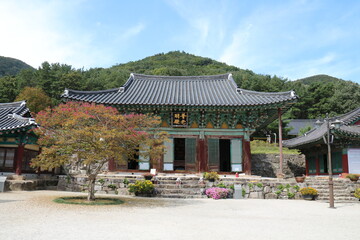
(266, 165)
(194, 186)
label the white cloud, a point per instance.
(30, 33)
(38, 31)
(132, 31)
(207, 25)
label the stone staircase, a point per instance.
(187, 187)
(343, 189)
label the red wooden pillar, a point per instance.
(247, 157)
(111, 165)
(306, 166)
(202, 155)
(345, 163)
(19, 157)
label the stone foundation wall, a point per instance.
(21, 183)
(182, 186)
(267, 165)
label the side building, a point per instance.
(209, 119)
(17, 142)
(345, 145)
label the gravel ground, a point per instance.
(33, 215)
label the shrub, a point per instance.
(357, 193)
(243, 192)
(217, 193)
(278, 192)
(112, 186)
(221, 185)
(101, 181)
(250, 185)
(126, 181)
(211, 176)
(141, 187)
(308, 191)
(280, 187)
(259, 185)
(290, 195)
(296, 187)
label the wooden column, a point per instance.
(247, 157)
(345, 163)
(111, 165)
(202, 156)
(19, 157)
(280, 173)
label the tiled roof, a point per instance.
(297, 124)
(317, 134)
(12, 116)
(216, 90)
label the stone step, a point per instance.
(173, 186)
(180, 196)
(352, 199)
(182, 191)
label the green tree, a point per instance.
(88, 135)
(36, 99)
(304, 130)
(8, 89)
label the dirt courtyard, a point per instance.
(33, 215)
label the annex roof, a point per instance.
(215, 90)
(297, 124)
(316, 134)
(13, 116)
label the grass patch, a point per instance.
(84, 201)
(262, 147)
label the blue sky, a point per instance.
(292, 39)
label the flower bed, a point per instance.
(217, 193)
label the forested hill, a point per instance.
(11, 66)
(321, 78)
(318, 94)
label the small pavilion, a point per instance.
(17, 141)
(345, 145)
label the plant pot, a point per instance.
(148, 177)
(144, 194)
(308, 197)
(299, 179)
(354, 179)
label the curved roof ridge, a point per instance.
(12, 104)
(348, 117)
(68, 91)
(291, 92)
(200, 77)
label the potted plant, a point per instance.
(300, 179)
(144, 188)
(353, 177)
(309, 193)
(211, 176)
(148, 176)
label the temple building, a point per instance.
(344, 142)
(208, 118)
(17, 142)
